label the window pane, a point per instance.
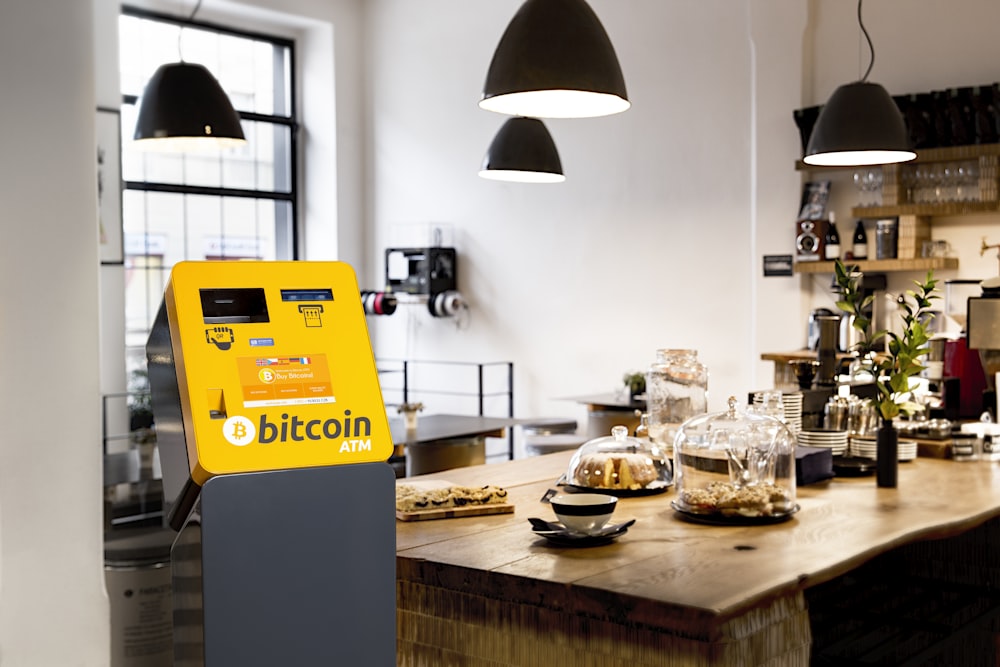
(163, 228)
(250, 70)
(262, 164)
(180, 227)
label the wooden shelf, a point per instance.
(946, 154)
(883, 265)
(945, 208)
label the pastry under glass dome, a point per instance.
(620, 465)
(735, 465)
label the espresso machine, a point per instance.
(983, 334)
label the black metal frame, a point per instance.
(403, 366)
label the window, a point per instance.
(233, 204)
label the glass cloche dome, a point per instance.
(620, 465)
(735, 466)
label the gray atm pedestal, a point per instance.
(290, 568)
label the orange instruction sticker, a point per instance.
(271, 381)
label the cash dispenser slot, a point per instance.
(233, 305)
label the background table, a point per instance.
(445, 441)
(607, 410)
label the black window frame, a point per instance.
(290, 121)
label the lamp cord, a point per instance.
(180, 32)
(871, 47)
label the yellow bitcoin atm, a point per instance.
(274, 445)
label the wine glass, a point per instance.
(860, 178)
(908, 177)
(875, 185)
(949, 181)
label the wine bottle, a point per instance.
(860, 243)
(831, 240)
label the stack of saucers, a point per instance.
(836, 441)
(793, 409)
(868, 448)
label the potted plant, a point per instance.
(892, 368)
(635, 384)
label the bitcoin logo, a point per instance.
(266, 375)
(239, 431)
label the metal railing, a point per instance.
(484, 389)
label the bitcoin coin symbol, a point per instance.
(239, 431)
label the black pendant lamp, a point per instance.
(555, 60)
(859, 125)
(183, 108)
(523, 151)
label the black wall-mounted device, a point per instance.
(420, 270)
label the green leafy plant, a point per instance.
(893, 368)
(636, 383)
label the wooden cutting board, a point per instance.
(454, 512)
(447, 512)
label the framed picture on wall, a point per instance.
(109, 186)
(815, 196)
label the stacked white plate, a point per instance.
(793, 409)
(791, 403)
(833, 440)
(867, 448)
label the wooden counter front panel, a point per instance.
(446, 626)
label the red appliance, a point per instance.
(964, 364)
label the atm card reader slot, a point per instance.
(233, 305)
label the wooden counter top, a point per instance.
(684, 577)
(798, 355)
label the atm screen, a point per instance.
(233, 305)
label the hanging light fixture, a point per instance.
(859, 125)
(523, 151)
(184, 108)
(555, 60)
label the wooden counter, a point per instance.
(484, 591)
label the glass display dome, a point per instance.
(620, 465)
(735, 466)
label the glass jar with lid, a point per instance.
(676, 390)
(735, 466)
(620, 465)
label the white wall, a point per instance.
(657, 237)
(53, 609)
(649, 243)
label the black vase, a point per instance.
(887, 448)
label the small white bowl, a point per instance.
(584, 512)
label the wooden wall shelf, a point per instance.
(944, 208)
(946, 154)
(883, 265)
